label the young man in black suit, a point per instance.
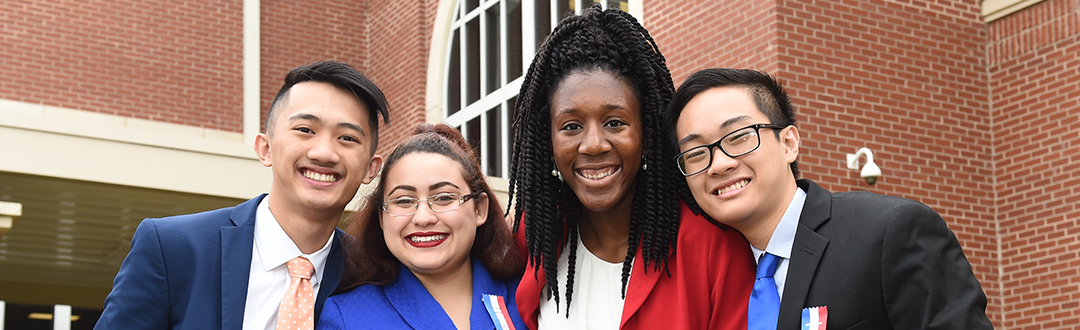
(853, 260)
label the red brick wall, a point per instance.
(294, 33)
(399, 35)
(694, 35)
(906, 79)
(169, 61)
(1034, 68)
(386, 40)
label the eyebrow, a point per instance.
(610, 106)
(441, 184)
(402, 187)
(437, 185)
(729, 122)
(311, 117)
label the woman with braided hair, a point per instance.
(608, 242)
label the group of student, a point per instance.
(635, 206)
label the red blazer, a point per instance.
(711, 278)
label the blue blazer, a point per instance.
(191, 272)
(406, 304)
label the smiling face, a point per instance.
(596, 136)
(749, 190)
(319, 150)
(431, 243)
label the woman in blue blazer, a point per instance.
(434, 250)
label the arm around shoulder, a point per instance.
(927, 280)
(140, 297)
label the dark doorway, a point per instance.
(39, 317)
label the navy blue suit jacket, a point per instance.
(191, 272)
(406, 304)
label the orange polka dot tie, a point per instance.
(298, 306)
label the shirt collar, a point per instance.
(276, 248)
(783, 237)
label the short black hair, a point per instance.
(768, 95)
(342, 76)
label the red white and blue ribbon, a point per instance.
(814, 318)
(496, 307)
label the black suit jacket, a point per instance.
(878, 262)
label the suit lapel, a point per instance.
(529, 293)
(331, 277)
(237, 242)
(806, 253)
(415, 304)
(641, 284)
(483, 284)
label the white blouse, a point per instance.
(597, 298)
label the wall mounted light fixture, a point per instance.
(870, 172)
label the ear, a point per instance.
(481, 208)
(262, 149)
(373, 168)
(789, 139)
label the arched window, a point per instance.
(491, 43)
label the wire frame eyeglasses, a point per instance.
(737, 143)
(445, 202)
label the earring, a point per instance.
(555, 172)
(644, 166)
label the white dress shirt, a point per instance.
(783, 237)
(269, 277)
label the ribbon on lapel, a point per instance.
(496, 307)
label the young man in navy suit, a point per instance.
(226, 269)
(853, 260)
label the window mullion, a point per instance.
(463, 51)
(505, 137)
(483, 50)
(504, 42)
(528, 34)
(485, 144)
(554, 15)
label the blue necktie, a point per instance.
(764, 300)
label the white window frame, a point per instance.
(452, 16)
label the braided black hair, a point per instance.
(612, 41)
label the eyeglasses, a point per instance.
(740, 142)
(445, 202)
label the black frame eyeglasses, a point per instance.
(742, 141)
(438, 203)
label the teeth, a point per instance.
(320, 177)
(597, 174)
(737, 185)
(424, 239)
